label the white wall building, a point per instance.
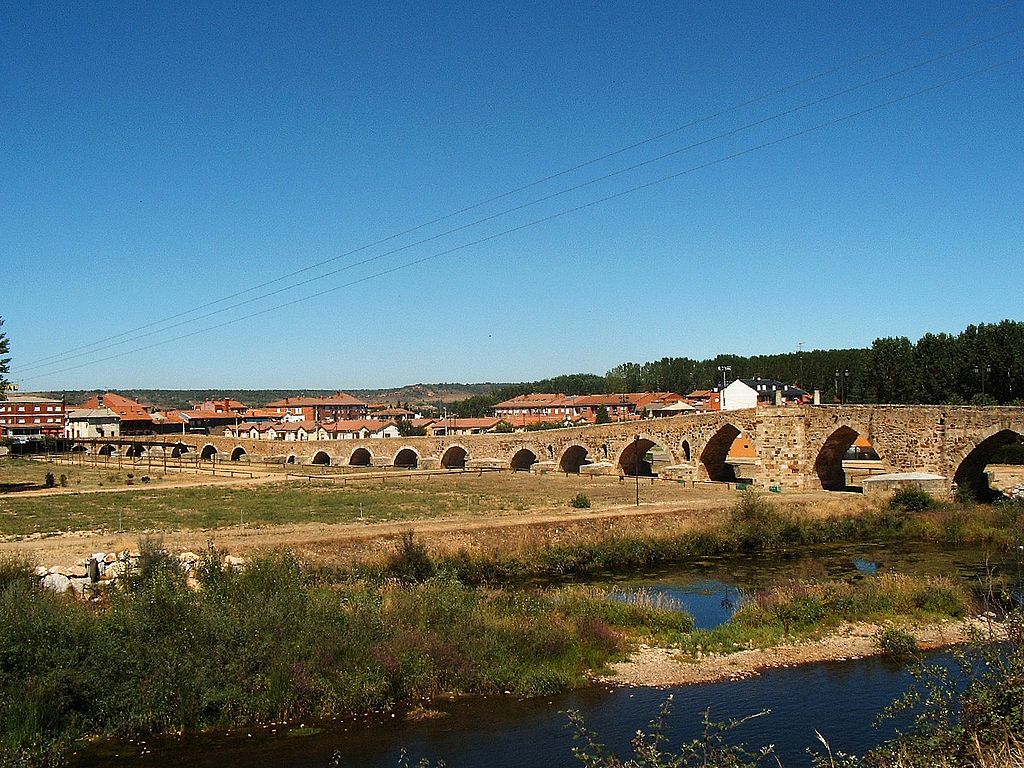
(738, 396)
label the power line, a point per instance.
(91, 346)
(562, 213)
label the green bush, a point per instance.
(411, 562)
(912, 499)
(50, 481)
(580, 501)
(893, 641)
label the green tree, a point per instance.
(938, 364)
(602, 416)
(894, 371)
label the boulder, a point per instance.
(77, 572)
(114, 571)
(58, 582)
(78, 586)
(40, 571)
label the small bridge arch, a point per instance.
(107, 450)
(454, 457)
(209, 452)
(522, 460)
(407, 458)
(573, 458)
(239, 454)
(321, 459)
(361, 457)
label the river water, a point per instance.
(839, 699)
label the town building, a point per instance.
(135, 417)
(92, 423)
(31, 417)
(337, 407)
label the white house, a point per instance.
(738, 396)
(92, 422)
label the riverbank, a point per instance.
(661, 666)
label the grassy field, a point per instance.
(272, 503)
(20, 475)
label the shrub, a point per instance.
(50, 480)
(63, 481)
(893, 641)
(411, 562)
(912, 499)
(580, 501)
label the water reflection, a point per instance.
(710, 601)
(841, 700)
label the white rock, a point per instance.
(58, 582)
(40, 570)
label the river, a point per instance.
(839, 699)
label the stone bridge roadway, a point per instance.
(795, 447)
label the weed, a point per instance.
(580, 501)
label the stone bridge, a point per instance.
(793, 447)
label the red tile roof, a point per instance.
(126, 408)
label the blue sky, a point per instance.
(160, 157)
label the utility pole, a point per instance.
(636, 471)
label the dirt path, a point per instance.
(348, 542)
(654, 666)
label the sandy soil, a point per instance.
(655, 666)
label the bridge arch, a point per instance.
(179, 450)
(107, 450)
(523, 459)
(970, 476)
(361, 457)
(238, 453)
(209, 452)
(407, 458)
(845, 443)
(715, 453)
(292, 459)
(454, 457)
(321, 459)
(135, 451)
(79, 448)
(574, 457)
(633, 458)
(684, 449)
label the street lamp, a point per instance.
(982, 369)
(723, 369)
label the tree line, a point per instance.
(982, 365)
